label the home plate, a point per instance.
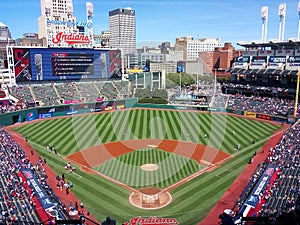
(152, 146)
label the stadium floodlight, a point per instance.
(264, 17)
(89, 9)
(282, 9)
(281, 14)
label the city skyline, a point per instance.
(159, 21)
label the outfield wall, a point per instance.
(73, 109)
(172, 106)
(64, 110)
(249, 114)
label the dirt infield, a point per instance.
(97, 155)
(150, 198)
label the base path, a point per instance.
(150, 198)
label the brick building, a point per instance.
(220, 59)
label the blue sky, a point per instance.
(164, 20)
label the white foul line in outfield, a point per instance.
(80, 177)
(44, 148)
(261, 141)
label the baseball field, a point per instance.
(192, 156)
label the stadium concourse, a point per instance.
(266, 101)
(47, 94)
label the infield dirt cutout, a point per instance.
(149, 198)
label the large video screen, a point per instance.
(35, 64)
(67, 64)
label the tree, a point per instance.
(160, 93)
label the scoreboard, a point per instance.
(72, 64)
(36, 64)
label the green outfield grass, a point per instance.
(192, 200)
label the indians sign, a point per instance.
(71, 38)
(152, 221)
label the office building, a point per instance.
(5, 40)
(191, 47)
(122, 26)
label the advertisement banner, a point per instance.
(260, 186)
(250, 114)
(265, 117)
(45, 115)
(30, 116)
(293, 63)
(74, 101)
(115, 67)
(120, 106)
(22, 64)
(41, 194)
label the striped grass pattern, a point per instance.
(172, 168)
(69, 135)
(192, 200)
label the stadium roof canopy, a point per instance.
(273, 44)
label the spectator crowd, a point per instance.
(17, 202)
(280, 200)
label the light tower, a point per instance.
(281, 14)
(264, 18)
(89, 13)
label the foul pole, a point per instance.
(297, 94)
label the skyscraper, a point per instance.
(123, 30)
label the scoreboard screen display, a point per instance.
(36, 64)
(64, 64)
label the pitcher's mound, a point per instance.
(149, 167)
(150, 198)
